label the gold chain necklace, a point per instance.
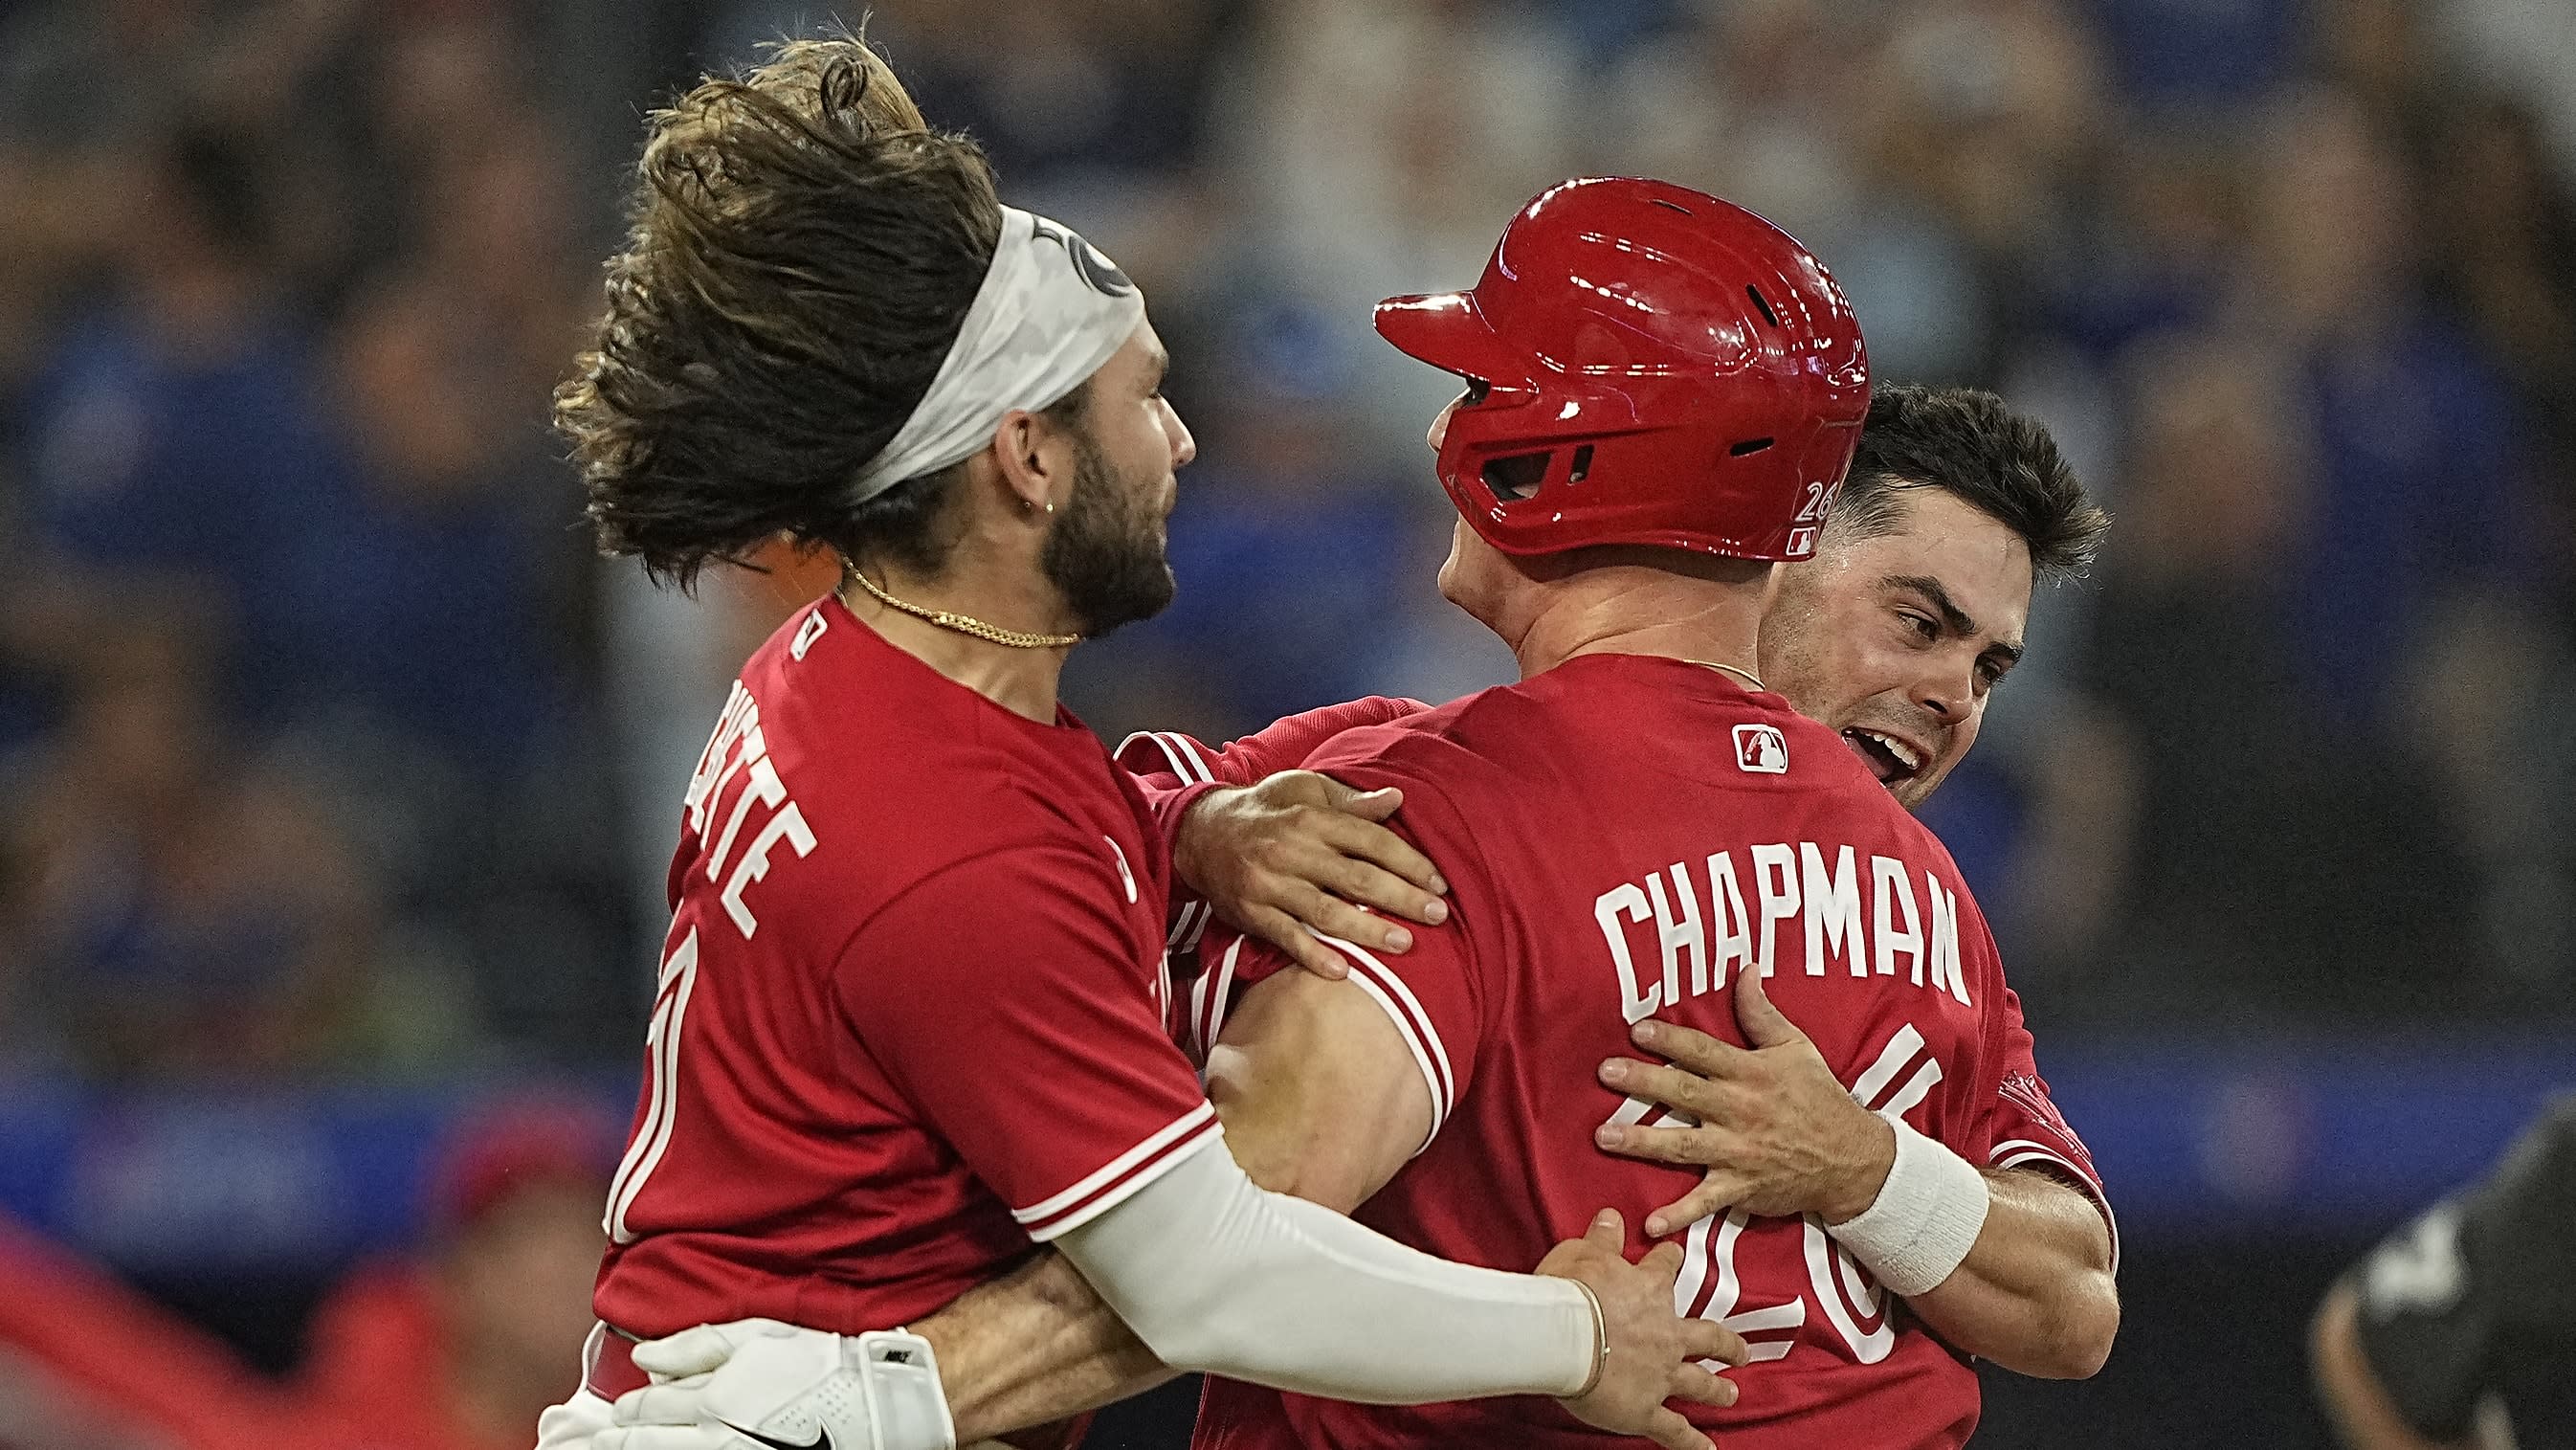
(1746, 675)
(965, 623)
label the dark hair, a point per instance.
(803, 250)
(1967, 443)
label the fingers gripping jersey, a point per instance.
(911, 1010)
(1173, 770)
(1614, 852)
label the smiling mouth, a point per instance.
(1892, 760)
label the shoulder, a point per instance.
(1452, 749)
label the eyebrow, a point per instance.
(1953, 618)
(1158, 366)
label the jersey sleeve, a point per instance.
(1020, 1026)
(2027, 1129)
(1433, 993)
(1426, 992)
(1173, 770)
(2486, 1272)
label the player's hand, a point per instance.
(1301, 853)
(1654, 1356)
(1778, 1134)
(757, 1384)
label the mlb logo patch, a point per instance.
(1761, 750)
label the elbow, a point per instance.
(2085, 1335)
(1300, 1165)
(2069, 1339)
(1193, 1332)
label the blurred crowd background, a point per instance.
(340, 775)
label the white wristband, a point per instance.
(1925, 1219)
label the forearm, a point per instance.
(2360, 1408)
(2035, 1294)
(1034, 1346)
(1215, 1274)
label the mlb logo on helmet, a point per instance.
(1761, 750)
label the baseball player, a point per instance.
(2453, 1335)
(1614, 748)
(910, 1017)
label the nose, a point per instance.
(1184, 447)
(1948, 696)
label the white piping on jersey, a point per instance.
(1180, 750)
(1207, 1008)
(1108, 1172)
(1429, 1053)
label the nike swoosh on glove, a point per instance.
(758, 1384)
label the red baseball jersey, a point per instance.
(1173, 770)
(911, 1007)
(1623, 835)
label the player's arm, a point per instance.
(2035, 1293)
(1209, 1270)
(2014, 1266)
(1320, 1098)
(1279, 852)
(2406, 1348)
(2357, 1404)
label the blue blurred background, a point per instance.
(341, 777)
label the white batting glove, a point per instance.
(757, 1384)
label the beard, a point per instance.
(1106, 554)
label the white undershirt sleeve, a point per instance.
(1215, 1274)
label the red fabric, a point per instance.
(1588, 822)
(912, 1009)
(1173, 770)
(379, 1367)
(115, 1350)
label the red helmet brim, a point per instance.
(1446, 330)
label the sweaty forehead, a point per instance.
(1980, 563)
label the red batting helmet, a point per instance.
(1658, 367)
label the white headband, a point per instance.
(1051, 310)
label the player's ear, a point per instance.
(1034, 459)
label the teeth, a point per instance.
(1903, 752)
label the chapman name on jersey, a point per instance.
(1917, 938)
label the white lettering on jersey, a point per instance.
(1775, 881)
(1868, 921)
(738, 751)
(788, 824)
(1894, 891)
(1945, 939)
(1833, 910)
(1679, 935)
(1630, 902)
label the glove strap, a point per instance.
(907, 1408)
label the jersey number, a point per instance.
(679, 977)
(1709, 1286)
(1820, 501)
